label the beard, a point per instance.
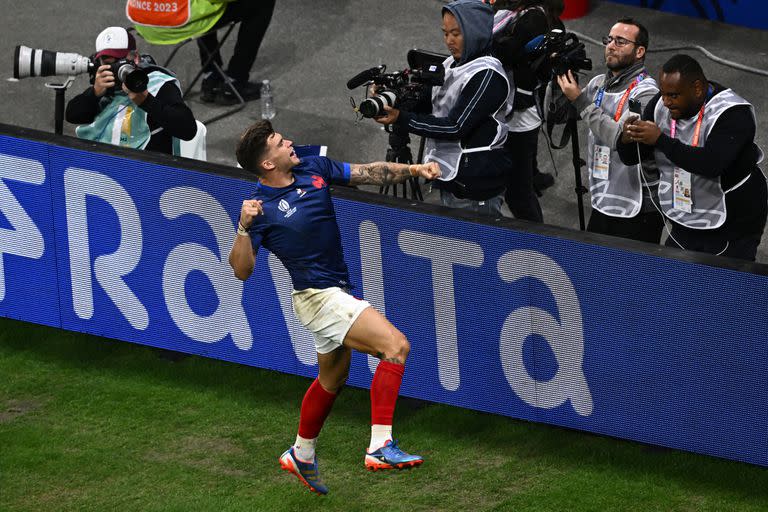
(619, 62)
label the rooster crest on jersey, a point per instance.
(318, 182)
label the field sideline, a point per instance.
(88, 423)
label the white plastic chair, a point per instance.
(195, 148)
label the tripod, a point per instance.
(571, 132)
(400, 152)
(578, 163)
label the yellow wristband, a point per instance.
(413, 169)
(241, 230)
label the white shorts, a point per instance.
(328, 313)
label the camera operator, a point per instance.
(466, 130)
(516, 23)
(622, 198)
(702, 137)
(109, 114)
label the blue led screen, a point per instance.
(545, 327)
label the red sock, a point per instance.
(384, 390)
(315, 407)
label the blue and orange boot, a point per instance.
(390, 456)
(306, 472)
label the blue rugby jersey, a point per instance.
(299, 224)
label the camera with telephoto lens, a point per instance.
(34, 62)
(557, 53)
(29, 62)
(402, 89)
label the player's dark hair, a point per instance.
(688, 67)
(643, 39)
(253, 145)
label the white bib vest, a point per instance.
(448, 153)
(621, 193)
(708, 210)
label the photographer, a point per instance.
(701, 137)
(466, 130)
(622, 198)
(515, 24)
(109, 114)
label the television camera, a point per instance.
(402, 89)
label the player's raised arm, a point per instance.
(242, 257)
(389, 173)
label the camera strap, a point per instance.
(557, 109)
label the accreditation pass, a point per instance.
(601, 162)
(682, 189)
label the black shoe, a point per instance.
(210, 88)
(542, 181)
(248, 91)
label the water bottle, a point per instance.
(267, 102)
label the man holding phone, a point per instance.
(622, 196)
(702, 137)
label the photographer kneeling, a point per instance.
(466, 130)
(108, 113)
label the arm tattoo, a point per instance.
(378, 173)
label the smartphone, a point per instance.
(635, 107)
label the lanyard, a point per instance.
(620, 108)
(696, 131)
(503, 21)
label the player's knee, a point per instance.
(398, 349)
(405, 347)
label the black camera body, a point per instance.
(402, 89)
(126, 72)
(557, 53)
